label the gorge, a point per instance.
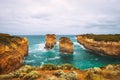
(35, 66)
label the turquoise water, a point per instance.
(81, 58)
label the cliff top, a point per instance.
(7, 39)
(103, 37)
(63, 72)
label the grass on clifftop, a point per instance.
(27, 72)
(52, 72)
(7, 39)
(104, 37)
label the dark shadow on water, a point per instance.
(105, 59)
(66, 58)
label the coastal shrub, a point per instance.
(31, 75)
(103, 37)
(7, 40)
(94, 75)
(66, 67)
(48, 67)
(6, 77)
(59, 73)
(110, 67)
(26, 69)
(67, 76)
(18, 73)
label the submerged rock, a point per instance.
(50, 41)
(12, 51)
(66, 45)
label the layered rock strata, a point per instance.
(12, 51)
(101, 47)
(50, 41)
(66, 45)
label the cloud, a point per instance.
(59, 16)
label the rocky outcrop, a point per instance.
(50, 41)
(100, 47)
(12, 51)
(66, 45)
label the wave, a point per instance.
(57, 57)
(37, 48)
(41, 47)
(82, 46)
(36, 56)
(76, 43)
(29, 61)
(57, 42)
(42, 63)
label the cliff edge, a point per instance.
(12, 51)
(101, 44)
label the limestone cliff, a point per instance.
(50, 41)
(66, 45)
(12, 51)
(111, 48)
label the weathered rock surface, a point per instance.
(100, 47)
(12, 51)
(66, 45)
(50, 41)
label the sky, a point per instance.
(37, 17)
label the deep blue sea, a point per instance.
(81, 58)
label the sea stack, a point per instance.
(12, 51)
(66, 45)
(50, 41)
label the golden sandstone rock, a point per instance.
(66, 45)
(110, 48)
(50, 41)
(12, 51)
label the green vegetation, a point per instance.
(66, 67)
(26, 72)
(48, 67)
(67, 76)
(30, 73)
(7, 39)
(53, 67)
(104, 37)
(33, 73)
(104, 73)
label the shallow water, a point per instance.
(81, 58)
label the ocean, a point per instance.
(81, 58)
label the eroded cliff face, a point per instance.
(66, 45)
(100, 47)
(12, 51)
(50, 41)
